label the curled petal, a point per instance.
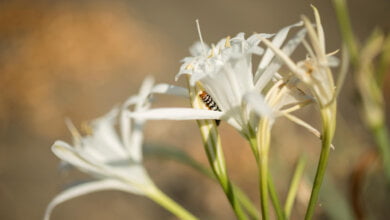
(86, 188)
(67, 153)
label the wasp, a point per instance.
(210, 103)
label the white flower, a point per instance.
(225, 72)
(315, 70)
(113, 158)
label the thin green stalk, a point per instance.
(256, 146)
(215, 155)
(328, 115)
(217, 162)
(263, 141)
(381, 135)
(160, 198)
(274, 199)
(346, 29)
(292, 192)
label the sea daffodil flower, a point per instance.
(315, 71)
(224, 71)
(114, 158)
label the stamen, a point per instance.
(227, 43)
(200, 37)
(302, 123)
(86, 128)
(73, 130)
(212, 52)
(333, 53)
(189, 67)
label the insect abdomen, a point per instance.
(210, 103)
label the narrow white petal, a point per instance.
(136, 140)
(258, 104)
(176, 114)
(170, 89)
(293, 67)
(263, 76)
(277, 42)
(66, 153)
(343, 71)
(302, 123)
(144, 92)
(131, 101)
(320, 30)
(105, 140)
(333, 61)
(198, 49)
(125, 129)
(86, 188)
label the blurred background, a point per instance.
(77, 59)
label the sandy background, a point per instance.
(77, 59)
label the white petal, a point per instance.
(176, 114)
(170, 89)
(123, 169)
(263, 76)
(144, 92)
(258, 104)
(131, 101)
(320, 30)
(105, 139)
(277, 42)
(86, 188)
(125, 128)
(136, 140)
(66, 153)
(333, 61)
(289, 63)
(198, 49)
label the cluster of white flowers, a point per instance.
(225, 71)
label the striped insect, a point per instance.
(210, 103)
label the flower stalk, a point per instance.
(256, 144)
(165, 201)
(274, 199)
(263, 142)
(328, 115)
(292, 192)
(215, 155)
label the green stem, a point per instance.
(346, 29)
(260, 146)
(263, 141)
(292, 192)
(217, 162)
(160, 198)
(215, 155)
(381, 135)
(329, 121)
(274, 199)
